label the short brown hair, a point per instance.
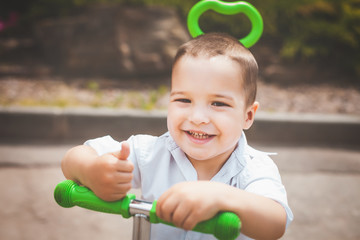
(215, 44)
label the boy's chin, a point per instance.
(197, 157)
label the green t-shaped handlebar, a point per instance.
(224, 226)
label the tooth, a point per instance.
(199, 135)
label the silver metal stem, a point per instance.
(141, 224)
(141, 227)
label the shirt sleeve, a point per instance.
(264, 179)
(103, 145)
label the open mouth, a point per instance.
(199, 135)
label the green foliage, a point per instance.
(321, 30)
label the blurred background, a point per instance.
(68, 66)
(308, 46)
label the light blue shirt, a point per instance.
(159, 164)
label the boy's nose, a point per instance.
(199, 116)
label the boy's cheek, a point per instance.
(175, 116)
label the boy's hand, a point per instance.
(109, 176)
(188, 203)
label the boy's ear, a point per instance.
(250, 115)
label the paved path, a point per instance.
(322, 184)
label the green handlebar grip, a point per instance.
(224, 225)
(68, 194)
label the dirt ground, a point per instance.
(96, 92)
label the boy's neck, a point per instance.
(205, 175)
(207, 169)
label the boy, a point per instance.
(203, 165)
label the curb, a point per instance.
(19, 125)
(31, 125)
(307, 129)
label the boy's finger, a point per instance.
(166, 206)
(124, 166)
(123, 177)
(124, 153)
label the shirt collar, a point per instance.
(235, 164)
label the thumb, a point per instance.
(124, 153)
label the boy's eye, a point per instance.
(183, 100)
(220, 104)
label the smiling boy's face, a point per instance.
(207, 111)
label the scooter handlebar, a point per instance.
(225, 225)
